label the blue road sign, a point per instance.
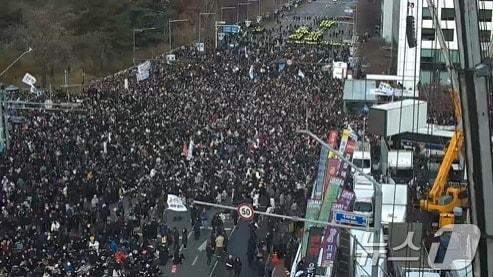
(231, 29)
(343, 217)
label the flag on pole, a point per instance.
(190, 150)
(175, 203)
(301, 74)
(185, 150)
(246, 53)
(29, 80)
(251, 73)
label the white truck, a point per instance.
(364, 197)
(362, 158)
(394, 200)
(400, 165)
(394, 205)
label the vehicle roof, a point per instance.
(397, 213)
(400, 194)
(362, 154)
(401, 159)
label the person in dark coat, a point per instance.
(235, 217)
(184, 237)
(176, 238)
(178, 258)
(196, 230)
(230, 265)
(237, 266)
(209, 251)
(261, 267)
(163, 256)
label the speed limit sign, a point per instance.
(245, 211)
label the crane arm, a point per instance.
(440, 184)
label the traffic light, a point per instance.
(410, 31)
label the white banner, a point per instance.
(190, 150)
(29, 79)
(251, 73)
(143, 71)
(200, 46)
(175, 203)
(170, 58)
(301, 74)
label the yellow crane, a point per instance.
(443, 197)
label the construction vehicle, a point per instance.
(443, 197)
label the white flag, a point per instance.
(301, 74)
(143, 71)
(175, 203)
(29, 79)
(251, 72)
(190, 150)
(246, 53)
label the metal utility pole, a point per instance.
(292, 218)
(169, 30)
(227, 8)
(377, 223)
(244, 4)
(135, 30)
(474, 99)
(200, 16)
(217, 24)
(15, 61)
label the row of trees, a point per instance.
(90, 36)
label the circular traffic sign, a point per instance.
(245, 211)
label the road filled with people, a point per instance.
(206, 127)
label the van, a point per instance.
(362, 158)
(364, 197)
(400, 165)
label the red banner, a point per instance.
(314, 245)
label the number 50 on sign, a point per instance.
(246, 212)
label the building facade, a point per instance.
(425, 62)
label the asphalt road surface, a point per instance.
(195, 263)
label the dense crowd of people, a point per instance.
(83, 193)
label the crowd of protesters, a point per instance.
(83, 193)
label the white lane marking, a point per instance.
(203, 246)
(213, 268)
(195, 260)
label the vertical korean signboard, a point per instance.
(344, 169)
(312, 211)
(322, 164)
(314, 245)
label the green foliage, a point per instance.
(91, 34)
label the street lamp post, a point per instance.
(244, 4)
(15, 61)
(378, 197)
(139, 30)
(200, 16)
(227, 8)
(169, 29)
